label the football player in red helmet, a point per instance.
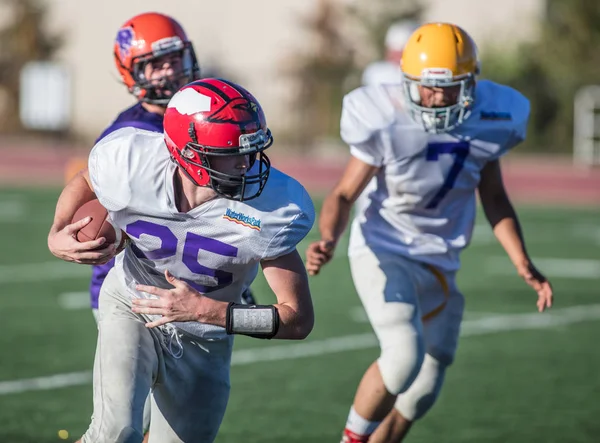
(204, 209)
(154, 58)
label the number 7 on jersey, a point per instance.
(460, 151)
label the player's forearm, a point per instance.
(287, 278)
(505, 223)
(508, 233)
(294, 323)
(334, 217)
(76, 193)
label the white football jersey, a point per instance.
(216, 247)
(422, 202)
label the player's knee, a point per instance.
(423, 393)
(400, 363)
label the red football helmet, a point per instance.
(144, 40)
(214, 117)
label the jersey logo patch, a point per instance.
(242, 219)
(495, 115)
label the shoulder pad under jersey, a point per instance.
(501, 106)
(119, 158)
(365, 111)
(290, 210)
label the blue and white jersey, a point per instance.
(422, 204)
(215, 247)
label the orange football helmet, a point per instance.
(440, 55)
(146, 39)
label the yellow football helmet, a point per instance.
(440, 55)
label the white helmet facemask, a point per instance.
(439, 119)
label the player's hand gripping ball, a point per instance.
(99, 226)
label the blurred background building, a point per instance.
(299, 58)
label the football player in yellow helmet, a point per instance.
(421, 152)
(439, 65)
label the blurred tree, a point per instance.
(375, 18)
(319, 74)
(550, 70)
(24, 39)
(338, 37)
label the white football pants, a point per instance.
(415, 311)
(189, 391)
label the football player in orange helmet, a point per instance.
(425, 147)
(154, 57)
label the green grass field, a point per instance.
(518, 376)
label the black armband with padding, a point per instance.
(259, 321)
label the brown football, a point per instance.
(100, 226)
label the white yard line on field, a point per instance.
(553, 267)
(59, 270)
(586, 232)
(482, 326)
(74, 300)
(358, 315)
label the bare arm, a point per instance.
(62, 240)
(335, 212)
(288, 280)
(286, 277)
(502, 217)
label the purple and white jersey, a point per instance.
(135, 116)
(421, 203)
(216, 247)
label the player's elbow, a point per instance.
(306, 327)
(342, 198)
(303, 326)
